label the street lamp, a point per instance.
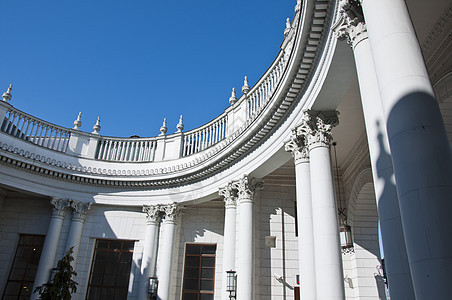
(153, 285)
(231, 285)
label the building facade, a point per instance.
(347, 133)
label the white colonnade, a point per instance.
(351, 26)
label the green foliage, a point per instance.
(62, 285)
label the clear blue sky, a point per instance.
(135, 62)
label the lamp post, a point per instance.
(231, 285)
(153, 285)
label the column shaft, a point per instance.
(328, 260)
(50, 244)
(76, 229)
(420, 150)
(396, 259)
(306, 252)
(245, 260)
(229, 236)
(150, 250)
(166, 260)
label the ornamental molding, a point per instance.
(153, 213)
(246, 188)
(297, 147)
(242, 142)
(229, 194)
(79, 210)
(171, 212)
(350, 24)
(59, 206)
(316, 128)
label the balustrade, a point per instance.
(34, 130)
(129, 150)
(205, 136)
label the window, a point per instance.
(110, 270)
(25, 264)
(199, 272)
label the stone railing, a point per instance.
(205, 136)
(261, 93)
(34, 130)
(129, 150)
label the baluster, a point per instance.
(26, 130)
(115, 150)
(142, 152)
(11, 124)
(100, 153)
(54, 132)
(135, 150)
(105, 155)
(192, 143)
(39, 135)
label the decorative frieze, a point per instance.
(79, 210)
(59, 206)
(153, 213)
(350, 24)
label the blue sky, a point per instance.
(135, 62)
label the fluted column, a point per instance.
(306, 254)
(316, 127)
(420, 149)
(245, 258)
(153, 213)
(171, 215)
(50, 243)
(352, 27)
(75, 232)
(229, 234)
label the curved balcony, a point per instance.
(185, 158)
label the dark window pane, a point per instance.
(208, 262)
(209, 249)
(110, 271)
(208, 273)
(191, 272)
(191, 284)
(102, 244)
(206, 297)
(193, 249)
(23, 270)
(190, 296)
(207, 285)
(192, 261)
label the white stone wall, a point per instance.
(275, 216)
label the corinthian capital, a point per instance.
(297, 146)
(350, 24)
(153, 213)
(59, 206)
(229, 194)
(171, 212)
(246, 187)
(80, 210)
(317, 126)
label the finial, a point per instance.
(180, 125)
(78, 122)
(163, 129)
(245, 87)
(7, 95)
(96, 126)
(233, 98)
(288, 26)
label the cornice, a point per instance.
(310, 38)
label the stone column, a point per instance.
(316, 127)
(75, 232)
(50, 243)
(420, 150)
(245, 257)
(171, 215)
(153, 213)
(229, 234)
(297, 146)
(352, 27)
